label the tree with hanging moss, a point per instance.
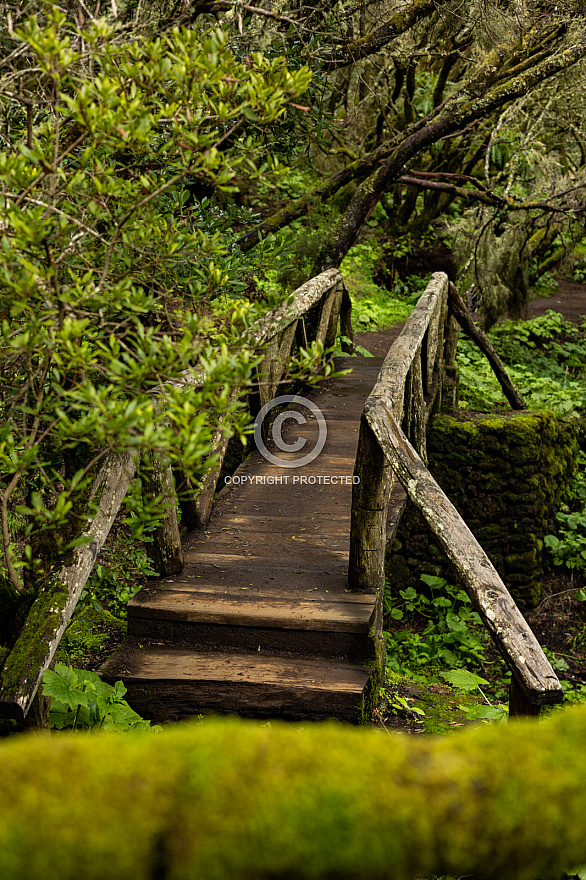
(433, 109)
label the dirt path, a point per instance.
(569, 299)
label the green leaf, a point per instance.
(63, 684)
(463, 680)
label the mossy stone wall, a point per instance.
(507, 475)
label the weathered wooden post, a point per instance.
(346, 321)
(450, 377)
(165, 550)
(519, 705)
(370, 498)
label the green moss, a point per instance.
(30, 651)
(88, 633)
(492, 424)
(232, 800)
(522, 561)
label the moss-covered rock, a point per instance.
(233, 801)
(507, 476)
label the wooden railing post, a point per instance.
(450, 379)
(519, 705)
(165, 550)
(417, 427)
(370, 498)
(346, 321)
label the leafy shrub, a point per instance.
(375, 307)
(580, 271)
(118, 577)
(545, 358)
(569, 546)
(80, 699)
(447, 631)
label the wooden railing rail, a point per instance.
(312, 313)
(386, 450)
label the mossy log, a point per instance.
(500, 615)
(51, 611)
(464, 318)
(231, 801)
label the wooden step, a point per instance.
(235, 620)
(170, 684)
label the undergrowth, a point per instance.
(375, 307)
(545, 358)
(434, 636)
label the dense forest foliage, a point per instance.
(168, 171)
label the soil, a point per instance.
(569, 299)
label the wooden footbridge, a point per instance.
(273, 607)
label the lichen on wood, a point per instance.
(52, 609)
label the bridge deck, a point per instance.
(261, 621)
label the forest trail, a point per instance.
(569, 299)
(261, 622)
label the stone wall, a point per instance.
(507, 474)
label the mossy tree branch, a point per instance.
(398, 24)
(383, 166)
(228, 800)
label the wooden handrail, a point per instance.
(495, 605)
(385, 451)
(51, 611)
(406, 378)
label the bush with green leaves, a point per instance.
(545, 358)
(568, 547)
(443, 636)
(374, 307)
(108, 285)
(447, 632)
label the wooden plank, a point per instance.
(253, 611)
(204, 586)
(171, 684)
(500, 615)
(177, 665)
(481, 340)
(51, 611)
